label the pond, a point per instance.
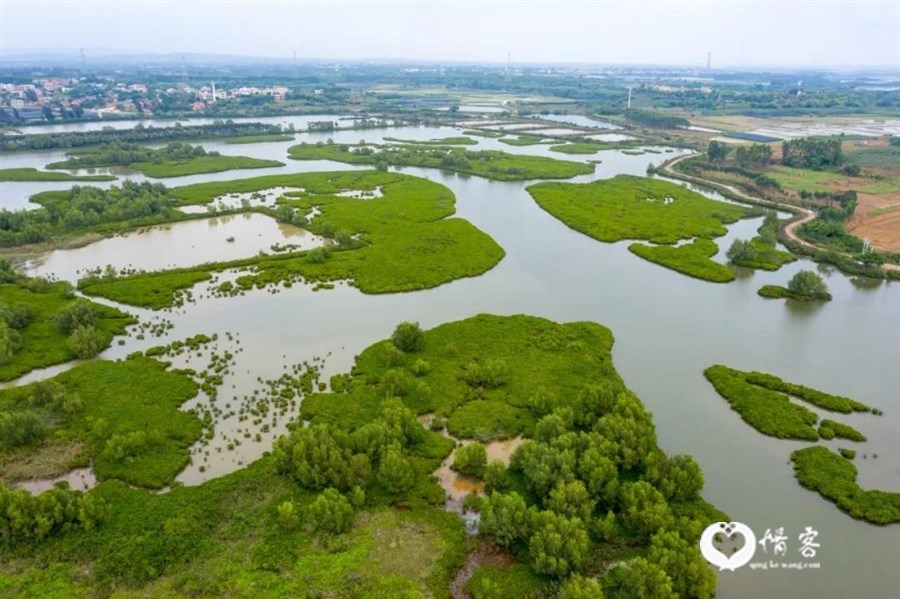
(668, 329)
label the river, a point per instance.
(668, 329)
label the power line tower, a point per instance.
(629, 97)
(81, 53)
(709, 61)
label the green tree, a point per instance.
(85, 342)
(74, 315)
(644, 508)
(571, 500)
(580, 587)
(806, 282)
(331, 513)
(9, 343)
(408, 337)
(470, 459)
(496, 476)
(741, 251)
(678, 477)
(504, 518)
(717, 151)
(395, 472)
(287, 515)
(640, 579)
(691, 576)
(559, 545)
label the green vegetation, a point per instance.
(123, 417)
(805, 286)
(406, 242)
(647, 118)
(763, 403)
(592, 464)
(32, 174)
(236, 535)
(581, 147)
(486, 163)
(760, 252)
(470, 459)
(887, 157)
(255, 139)
(627, 207)
(313, 518)
(85, 209)
(444, 141)
(173, 160)
(24, 517)
(692, 259)
(480, 133)
(516, 580)
(829, 429)
(813, 181)
(30, 334)
(137, 134)
(834, 478)
(812, 152)
(524, 140)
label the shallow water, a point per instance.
(668, 328)
(214, 239)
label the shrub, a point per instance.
(85, 342)
(76, 314)
(408, 337)
(331, 513)
(806, 282)
(471, 459)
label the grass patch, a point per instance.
(406, 240)
(834, 478)
(627, 207)
(516, 580)
(585, 147)
(201, 165)
(779, 292)
(128, 421)
(33, 174)
(524, 140)
(224, 538)
(829, 429)
(41, 343)
(490, 419)
(887, 157)
(692, 259)
(536, 354)
(769, 412)
(800, 179)
(763, 403)
(444, 141)
(486, 163)
(480, 133)
(255, 139)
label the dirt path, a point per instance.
(804, 215)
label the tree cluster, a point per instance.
(82, 207)
(24, 517)
(593, 473)
(812, 152)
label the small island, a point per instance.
(805, 286)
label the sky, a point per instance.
(739, 34)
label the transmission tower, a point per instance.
(184, 72)
(508, 65)
(81, 53)
(708, 61)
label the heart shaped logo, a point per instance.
(728, 545)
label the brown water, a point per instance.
(668, 328)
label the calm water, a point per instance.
(668, 328)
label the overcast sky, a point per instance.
(758, 33)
